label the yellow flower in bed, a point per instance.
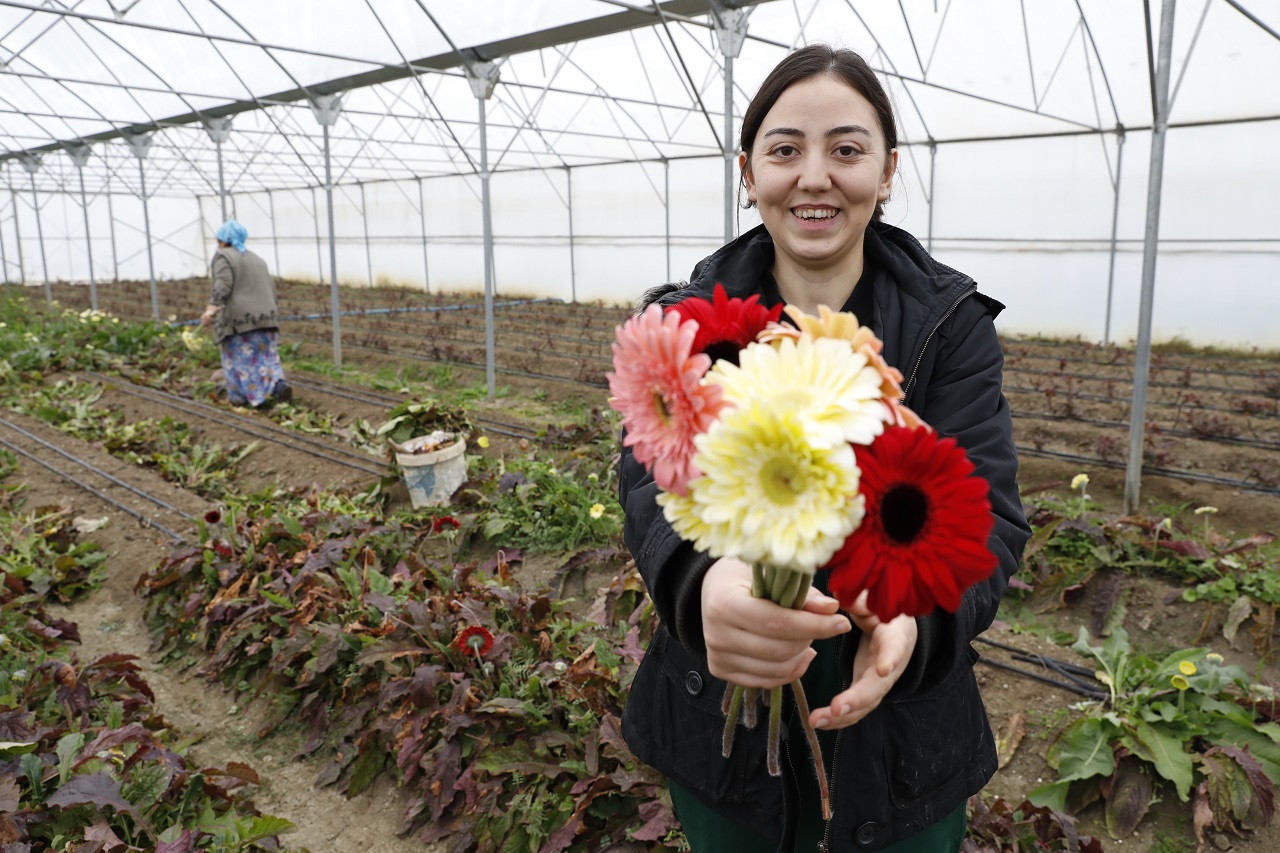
(1187, 668)
(1179, 682)
(833, 391)
(596, 510)
(767, 494)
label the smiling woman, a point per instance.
(818, 158)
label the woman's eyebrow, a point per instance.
(842, 130)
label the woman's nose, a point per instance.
(814, 174)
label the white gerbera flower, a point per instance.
(768, 494)
(832, 389)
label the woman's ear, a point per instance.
(747, 180)
(886, 180)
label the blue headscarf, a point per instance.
(234, 233)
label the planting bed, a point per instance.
(1214, 437)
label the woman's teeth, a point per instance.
(809, 213)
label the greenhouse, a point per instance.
(457, 205)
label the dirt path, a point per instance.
(111, 621)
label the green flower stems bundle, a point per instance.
(786, 588)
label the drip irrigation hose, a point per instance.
(1069, 686)
(213, 413)
(146, 520)
(1128, 364)
(409, 309)
(1173, 473)
(1092, 378)
(1105, 398)
(95, 469)
(379, 400)
(1051, 344)
(1259, 443)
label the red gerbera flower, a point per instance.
(725, 325)
(213, 516)
(445, 522)
(923, 541)
(475, 639)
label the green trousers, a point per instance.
(710, 832)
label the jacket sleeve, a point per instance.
(223, 280)
(964, 400)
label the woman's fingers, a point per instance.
(881, 659)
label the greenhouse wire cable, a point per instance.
(1173, 473)
(277, 436)
(1106, 398)
(1090, 378)
(467, 364)
(1259, 443)
(370, 312)
(146, 520)
(95, 469)
(1009, 342)
(1127, 365)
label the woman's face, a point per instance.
(818, 165)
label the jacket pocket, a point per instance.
(936, 739)
(688, 727)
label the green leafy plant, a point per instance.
(1187, 720)
(542, 507)
(996, 826)
(422, 417)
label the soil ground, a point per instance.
(111, 618)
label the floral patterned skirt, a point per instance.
(251, 365)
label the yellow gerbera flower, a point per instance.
(1179, 682)
(1187, 668)
(833, 390)
(596, 510)
(768, 494)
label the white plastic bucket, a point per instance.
(431, 477)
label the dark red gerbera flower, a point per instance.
(923, 541)
(445, 522)
(726, 325)
(475, 639)
(213, 516)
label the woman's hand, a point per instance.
(753, 642)
(883, 653)
(210, 311)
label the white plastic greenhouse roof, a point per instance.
(581, 81)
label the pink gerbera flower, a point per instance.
(656, 387)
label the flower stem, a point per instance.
(758, 588)
(802, 709)
(731, 721)
(750, 703)
(775, 731)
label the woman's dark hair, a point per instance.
(816, 60)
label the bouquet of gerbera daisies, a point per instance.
(787, 447)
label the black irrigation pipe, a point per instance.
(1069, 686)
(378, 399)
(1104, 398)
(1259, 443)
(95, 469)
(1173, 473)
(470, 365)
(146, 520)
(540, 333)
(215, 414)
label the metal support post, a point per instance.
(31, 162)
(4, 258)
(79, 154)
(666, 208)
(315, 218)
(1115, 224)
(422, 214)
(573, 264)
(111, 221)
(17, 234)
(275, 242)
(1150, 246)
(483, 77)
(141, 143)
(368, 254)
(326, 109)
(731, 32)
(219, 130)
(933, 168)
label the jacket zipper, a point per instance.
(824, 846)
(906, 389)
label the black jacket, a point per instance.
(928, 746)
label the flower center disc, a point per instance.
(660, 406)
(781, 481)
(904, 510)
